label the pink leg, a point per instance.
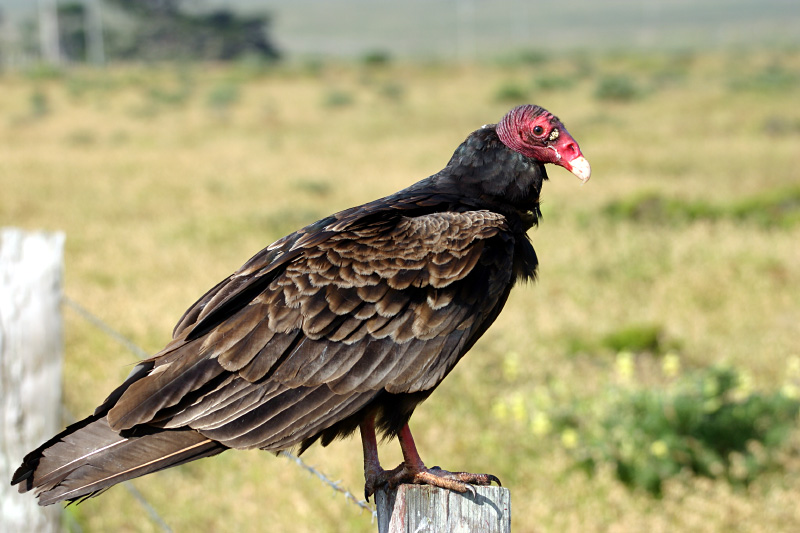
(373, 473)
(412, 470)
(411, 457)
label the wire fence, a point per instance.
(103, 326)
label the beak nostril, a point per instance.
(570, 151)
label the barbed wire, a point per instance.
(154, 516)
(100, 324)
(71, 524)
(140, 353)
(335, 485)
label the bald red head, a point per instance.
(536, 133)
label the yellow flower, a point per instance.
(671, 366)
(541, 425)
(659, 448)
(625, 365)
(744, 385)
(511, 366)
(500, 410)
(569, 438)
(790, 390)
(517, 405)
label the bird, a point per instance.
(346, 324)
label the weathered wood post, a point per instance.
(30, 365)
(425, 509)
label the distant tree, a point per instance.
(148, 7)
(72, 30)
(161, 29)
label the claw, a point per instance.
(412, 469)
(462, 482)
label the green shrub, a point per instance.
(511, 92)
(554, 83)
(654, 208)
(533, 57)
(772, 78)
(636, 338)
(773, 208)
(777, 208)
(376, 58)
(633, 338)
(250, 67)
(779, 126)
(167, 97)
(223, 96)
(338, 98)
(81, 137)
(43, 72)
(79, 84)
(392, 91)
(313, 66)
(617, 88)
(707, 424)
(173, 92)
(39, 104)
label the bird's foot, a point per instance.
(421, 475)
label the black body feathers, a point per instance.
(361, 313)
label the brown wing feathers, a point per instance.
(331, 319)
(340, 315)
(89, 456)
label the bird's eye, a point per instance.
(538, 130)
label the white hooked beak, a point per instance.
(581, 168)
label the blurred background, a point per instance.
(96, 31)
(649, 380)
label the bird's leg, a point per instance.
(413, 470)
(374, 475)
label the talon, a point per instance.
(412, 469)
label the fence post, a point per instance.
(30, 365)
(422, 508)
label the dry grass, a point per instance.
(162, 193)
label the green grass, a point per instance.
(776, 207)
(682, 249)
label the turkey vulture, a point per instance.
(347, 323)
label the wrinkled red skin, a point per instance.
(554, 144)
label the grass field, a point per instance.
(679, 256)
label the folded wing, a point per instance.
(329, 323)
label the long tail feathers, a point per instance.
(89, 457)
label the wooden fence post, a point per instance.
(426, 509)
(30, 365)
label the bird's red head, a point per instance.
(535, 132)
